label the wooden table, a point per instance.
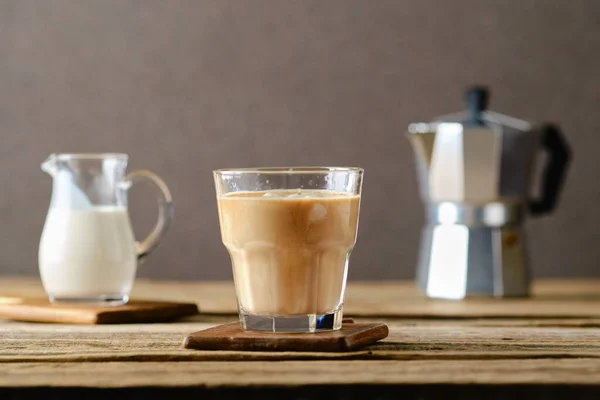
(539, 348)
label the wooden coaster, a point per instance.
(351, 336)
(136, 311)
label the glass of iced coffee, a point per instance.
(289, 232)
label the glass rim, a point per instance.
(88, 156)
(300, 170)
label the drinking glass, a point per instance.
(289, 233)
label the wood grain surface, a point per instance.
(300, 373)
(436, 349)
(446, 340)
(554, 299)
(136, 311)
(231, 336)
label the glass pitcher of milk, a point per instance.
(88, 253)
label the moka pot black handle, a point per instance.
(553, 176)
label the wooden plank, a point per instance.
(301, 373)
(568, 299)
(407, 341)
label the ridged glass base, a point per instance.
(305, 323)
(98, 301)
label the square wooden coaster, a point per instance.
(136, 311)
(351, 336)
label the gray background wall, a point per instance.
(188, 86)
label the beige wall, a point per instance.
(188, 86)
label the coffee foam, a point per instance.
(282, 194)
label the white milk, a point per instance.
(87, 253)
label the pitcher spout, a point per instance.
(49, 165)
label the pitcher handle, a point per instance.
(165, 210)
